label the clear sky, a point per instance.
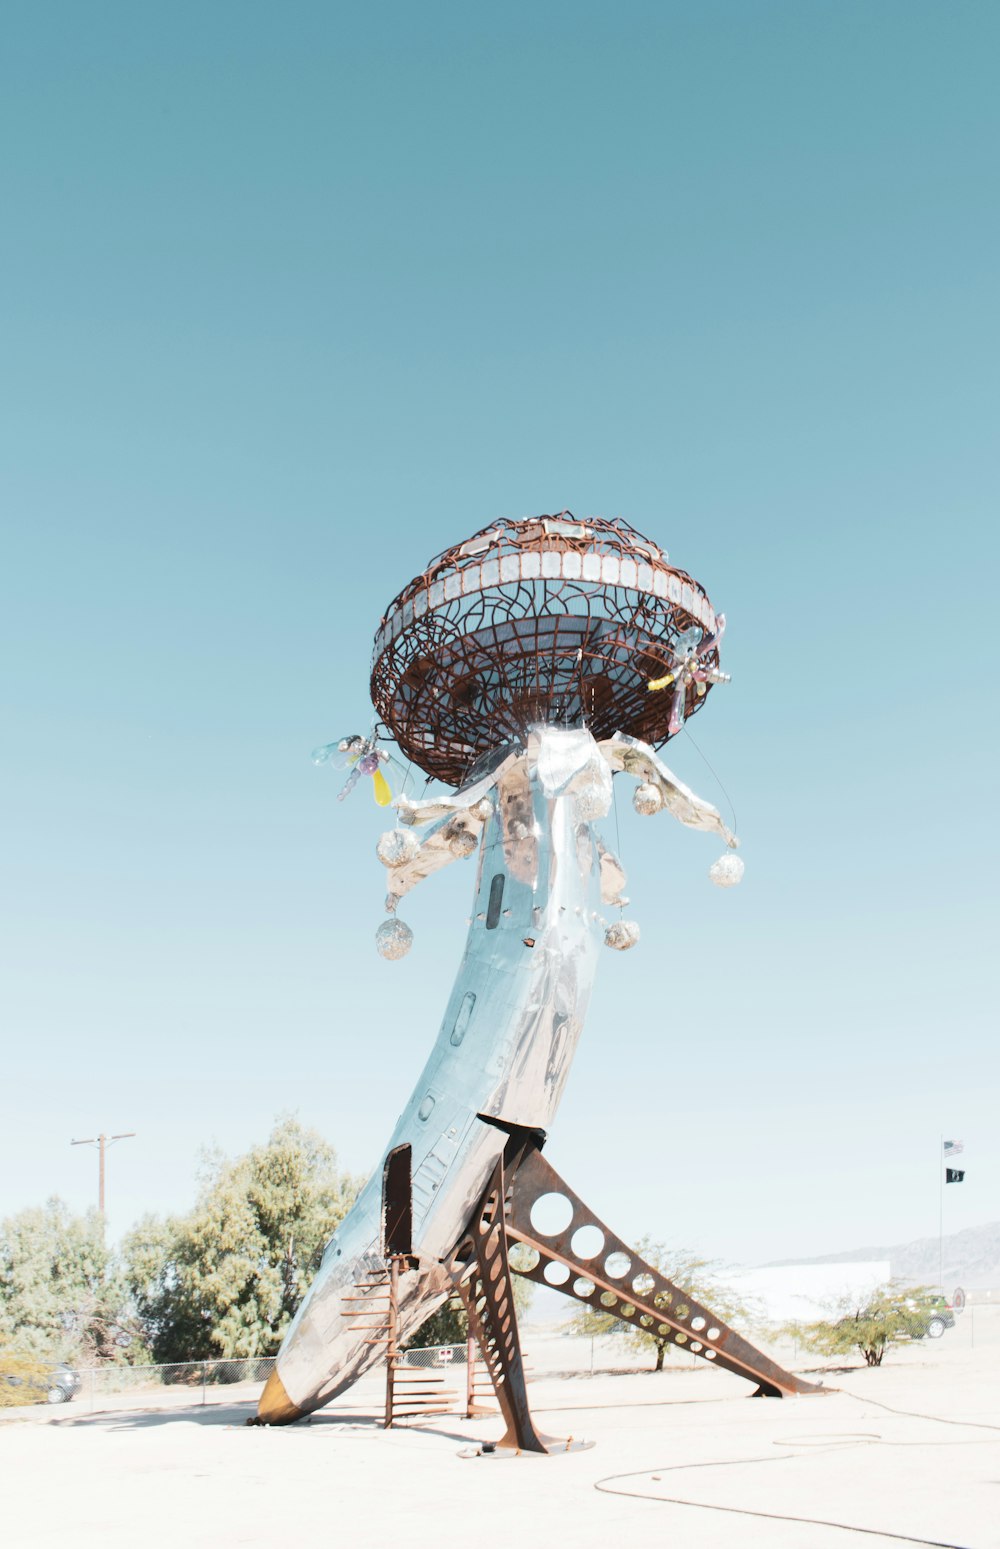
(295, 296)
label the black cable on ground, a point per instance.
(911, 1414)
(605, 1487)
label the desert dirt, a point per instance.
(909, 1452)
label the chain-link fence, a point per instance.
(437, 1357)
(547, 1352)
(180, 1382)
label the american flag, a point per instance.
(953, 1147)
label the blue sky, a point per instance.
(295, 297)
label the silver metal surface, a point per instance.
(637, 759)
(511, 1026)
(505, 1045)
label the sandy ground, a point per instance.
(907, 1453)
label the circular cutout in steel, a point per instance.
(551, 1214)
(587, 1242)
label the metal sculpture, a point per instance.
(526, 667)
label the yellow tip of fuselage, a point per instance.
(275, 1407)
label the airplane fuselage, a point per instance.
(504, 1050)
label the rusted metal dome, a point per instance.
(546, 619)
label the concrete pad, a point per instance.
(909, 1452)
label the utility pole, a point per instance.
(102, 1142)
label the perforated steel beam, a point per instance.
(489, 1301)
(614, 1278)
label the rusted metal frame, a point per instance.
(396, 1241)
(470, 1376)
(488, 1297)
(448, 660)
(503, 603)
(664, 1304)
(370, 1308)
(486, 656)
(476, 1383)
(426, 1409)
(476, 1395)
(409, 1392)
(392, 1333)
(529, 676)
(606, 535)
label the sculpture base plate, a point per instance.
(554, 1446)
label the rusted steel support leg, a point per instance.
(614, 1278)
(489, 1301)
(392, 1338)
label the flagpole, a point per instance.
(941, 1212)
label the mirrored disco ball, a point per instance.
(591, 802)
(393, 939)
(646, 800)
(397, 847)
(727, 871)
(622, 935)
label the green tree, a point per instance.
(62, 1294)
(703, 1280)
(892, 1314)
(23, 1378)
(448, 1326)
(225, 1280)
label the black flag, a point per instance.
(954, 1174)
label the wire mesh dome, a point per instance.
(542, 620)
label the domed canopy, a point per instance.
(542, 620)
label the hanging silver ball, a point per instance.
(622, 935)
(461, 843)
(393, 939)
(647, 800)
(397, 846)
(727, 871)
(591, 802)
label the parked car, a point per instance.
(64, 1384)
(936, 1316)
(57, 1385)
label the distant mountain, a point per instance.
(971, 1258)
